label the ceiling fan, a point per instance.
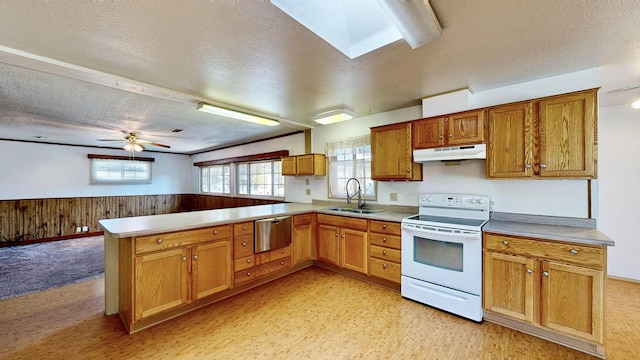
(134, 143)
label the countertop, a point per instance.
(549, 228)
(153, 224)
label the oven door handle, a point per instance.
(441, 234)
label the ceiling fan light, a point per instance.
(236, 115)
(333, 116)
(137, 147)
(128, 147)
(636, 104)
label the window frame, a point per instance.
(229, 179)
(122, 162)
(249, 183)
(353, 144)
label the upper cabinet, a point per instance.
(450, 130)
(309, 164)
(392, 153)
(553, 137)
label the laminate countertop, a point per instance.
(154, 224)
(575, 230)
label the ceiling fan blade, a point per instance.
(110, 140)
(156, 144)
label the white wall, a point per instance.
(293, 143)
(31, 170)
(619, 186)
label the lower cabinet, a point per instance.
(551, 289)
(384, 250)
(303, 238)
(342, 241)
(255, 266)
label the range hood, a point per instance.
(477, 151)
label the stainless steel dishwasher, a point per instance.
(272, 233)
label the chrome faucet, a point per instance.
(361, 203)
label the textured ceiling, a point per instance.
(251, 55)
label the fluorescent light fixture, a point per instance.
(236, 115)
(333, 116)
(415, 20)
(133, 147)
(636, 104)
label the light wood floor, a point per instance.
(312, 314)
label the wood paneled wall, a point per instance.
(29, 220)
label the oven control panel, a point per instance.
(462, 201)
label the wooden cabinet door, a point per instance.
(567, 136)
(328, 244)
(428, 133)
(289, 165)
(573, 301)
(305, 164)
(161, 281)
(211, 268)
(509, 284)
(353, 250)
(510, 147)
(465, 128)
(392, 154)
(302, 243)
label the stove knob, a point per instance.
(480, 201)
(473, 201)
(429, 199)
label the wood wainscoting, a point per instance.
(25, 221)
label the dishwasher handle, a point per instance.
(273, 220)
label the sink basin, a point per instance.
(355, 210)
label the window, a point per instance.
(260, 178)
(216, 179)
(120, 171)
(350, 158)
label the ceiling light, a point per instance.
(134, 147)
(636, 104)
(415, 20)
(236, 115)
(333, 116)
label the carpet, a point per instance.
(25, 269)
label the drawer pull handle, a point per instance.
(336, 234)
(384, 266)
(249, 273)
(384, 252)
(244, 227)
(384, 239)
(281, 262)
(159, 241)
(384, 226)
(282, 251)
(505, 242)
(295, 234)
(244, 243)
(184, 258)
(529, 271)
(248, 261)
(215, 232)
(545, 273)
(573, 251)
(195, 257)
(304, 218)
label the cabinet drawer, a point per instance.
(384, 227)
(245, 228)
(242, 246)
(385, 270)
(343, 221)
(241, 277)
(391, 241)
(261, 258)
(145, 244)
(303, 219)
(244, 263)
(578, 254)
(384, 253)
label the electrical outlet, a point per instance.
(308, 191)
(78, 229)
(306, 181)
(85, 228)
(393, 196)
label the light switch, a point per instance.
(393, 196)
(306, 182)
(308, 191)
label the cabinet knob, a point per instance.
(384, 266)
(450, 135)
(295, 234)
(282, 251)
(244, 243)
(281, 262)
(543, 166)
(343, 236)
(336, 234)
(573, 251)
(505, 242)
(159, 241)
(545, 273)
(184, 258)
(248, 261)
(304, 217)
(529, 271)
(440, 137)
(384, 239)
(384, 226)
(244, 227)
(249, 273)
(215, 232)
(384, 252)
(195, 257)
(408, 170)
(527, 166)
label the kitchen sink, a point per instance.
(354, 210)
